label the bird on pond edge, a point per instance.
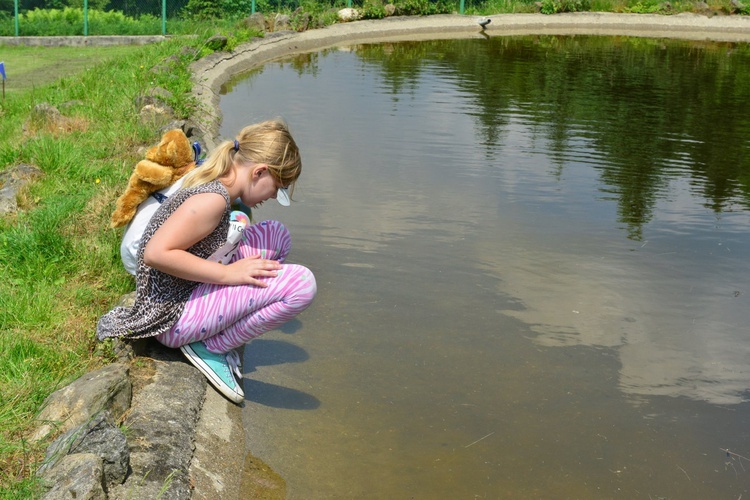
(484, 21)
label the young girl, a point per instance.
(205, 308)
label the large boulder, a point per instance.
(108, 388)
(282, 22)
(161, 428)
(256, 21)
(100, 437)
(77, 476)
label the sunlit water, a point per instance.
(532, 259)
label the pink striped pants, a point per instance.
(225, 317)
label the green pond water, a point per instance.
(532, 260)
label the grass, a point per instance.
(58, 258)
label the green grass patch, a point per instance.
(58, 257)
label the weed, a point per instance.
(557, 6)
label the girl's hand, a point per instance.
(247, 271)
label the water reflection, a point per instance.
(647, 109)
(509, 235)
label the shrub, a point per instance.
(69, 22)
(202, 10)
(556, 6)
(644, 8)
(422, 7)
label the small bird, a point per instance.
(483, 22)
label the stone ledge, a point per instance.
(182, 439)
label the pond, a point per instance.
(532, 260)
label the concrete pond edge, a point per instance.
(213, 71)
(177, 420)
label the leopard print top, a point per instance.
(161, 297)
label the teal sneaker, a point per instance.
(219, 369)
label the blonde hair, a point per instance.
(268, 142)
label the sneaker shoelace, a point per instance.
(233, 360)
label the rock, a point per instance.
(107, 388)
(348, 14)
(161, 428)
(156, 96)
(156, 116)
(281, 23)
(390, 9)
(45, 112)
(217, 43)
(256, 21)
(46, 117)
(123, 351)
(76, 476)
(12, 181)
(99, 436)
(180, 124)
(196, 134)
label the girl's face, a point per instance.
(263, 186)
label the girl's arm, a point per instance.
(195, 219)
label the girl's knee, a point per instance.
(313, 283)
(270, 238)
(273, 230)
(305, 287)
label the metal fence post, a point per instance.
(163, 17)
(461, 10)
(15, 7)
(85, 17)
(252, 10)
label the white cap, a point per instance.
(282, 196)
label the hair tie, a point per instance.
(236, 145)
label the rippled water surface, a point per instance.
(532, 258)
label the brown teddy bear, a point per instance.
(165, 163)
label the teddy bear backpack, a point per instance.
(165, 164)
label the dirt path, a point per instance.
(36, 66)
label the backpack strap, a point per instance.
(197, 153)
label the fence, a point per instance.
(80, 15)
(128, 17)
